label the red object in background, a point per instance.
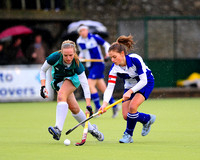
(15, 31)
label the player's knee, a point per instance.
(93, 89)
(133, 109)
(61, 97)
(74, 109)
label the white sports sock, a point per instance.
(61, 113)
(80, 117)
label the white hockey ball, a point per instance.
(67, 142)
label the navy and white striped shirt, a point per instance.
(90, 47)
(135, 75)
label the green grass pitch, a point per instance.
(175, 135)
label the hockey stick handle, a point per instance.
(110, 106)
(86, 123)
(87, 119)
(70, 130)
(91, 60)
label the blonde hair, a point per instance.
(123, 43)
(70, 44)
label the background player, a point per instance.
(139, 83)
(89, 47)
(68, 74)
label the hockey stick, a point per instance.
(85, 131)
(91, 60)
(87, 119)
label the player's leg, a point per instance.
(94, 93)
(79, 115)
(101, 85)
(125, 109)
(62, 108)
(132, 115)
(146, 119)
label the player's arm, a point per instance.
(141, 71)
(84, 84)
(141, 83)
(108, 92)
(102, 42)
(43, 70)
(81, 53)
(106, 46)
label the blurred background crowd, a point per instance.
(166, 32)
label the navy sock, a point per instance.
(131, 122)
(96, 100)
(112, 101)
(143, 118)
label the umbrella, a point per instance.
(95, 27)
(15, 31)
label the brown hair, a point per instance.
(123, 43)
(70, 44)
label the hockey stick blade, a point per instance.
(81, 143)
(85, 132)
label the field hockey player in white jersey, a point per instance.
(89, 47)
(68, 73)
(138, 85)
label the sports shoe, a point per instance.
(147, 127)
(55, 132)
(127, 138)
(115, 111)
(97, 134)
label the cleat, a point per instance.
(147, 127)
(97, 134)
(127, 138)
(115, 111)
(55, 132)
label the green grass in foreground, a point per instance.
(175, 135)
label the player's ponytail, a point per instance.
(123, 43)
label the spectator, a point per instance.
(15, 53)
(37, 52)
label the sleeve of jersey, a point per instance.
(142, 82)
(53, 58)
(138, 63)
(106, 45)
(84, 84)
(99, 40)
(81, 54)
(142, 75)
(43, 70)
(109, 90)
